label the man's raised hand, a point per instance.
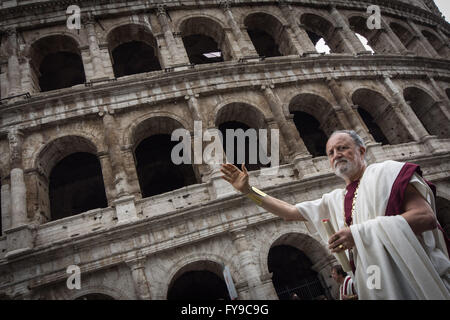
(237, 178)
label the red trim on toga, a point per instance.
(348, 202)
(394, 206)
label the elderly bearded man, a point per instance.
(385, 216)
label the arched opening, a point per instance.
(156, 171)
(447, 91)
(76, 186)
(427, 111)
(204, 41)
(408, 39)
(315, 121)
(309, 129)
(436, 43)
(365, 42)
(56, 62)
(292, 273)
(268, 35)
(443, 214)
(133, 50)
(242, 150)
(379, 117)
(373, 40)
(199, 281)
(95, 296)
(320, 31)
(374, 129)
(245, 143)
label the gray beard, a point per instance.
(344, 171)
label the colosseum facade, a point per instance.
(87, 111)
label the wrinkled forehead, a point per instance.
(339, 138)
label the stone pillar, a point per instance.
(13, 70)
(130, 170)
(18, 188)
(247, 265)
(176, 57)
(124, 201)
(348, 36)
(94, 49)
(423, 41)
(306, 45)
(351, 114)
(287, 129)
(412, 123)
(141, 285)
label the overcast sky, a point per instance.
(444, 6)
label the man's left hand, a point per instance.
(341, 240)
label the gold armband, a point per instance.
(256, 196)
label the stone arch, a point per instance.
(428, 111)
(315, 250)
(314, 119)
(243, 116)
(319, 27)
(268, 34)
(152, 146)
(114, 293)
(187, 263)
(376, 40)
(407, 37)
(380, 118)
(436, 42)
(56, 62)
(210, 33)
(133, 49)
(51, 184)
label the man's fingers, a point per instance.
(244, 169)
(226, 178)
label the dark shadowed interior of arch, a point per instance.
(95, 296)
(156, 171)
(202, 49)
(434, 41)
(134, 57)
(250, 154)
(427, 111)
(374, 129)
(61, 70)
(264, 43)
(309, 129)
(402, 33)
(314, 37)
(447, 91)
(76, 185)
(443, 214)
(292, 273)
(198, 285)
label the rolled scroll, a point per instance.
(340, 256)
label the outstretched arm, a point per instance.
(239, 180)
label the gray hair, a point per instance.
(356, 138)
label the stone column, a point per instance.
(176, 57)
(306, 45)
(18, 187)
(124, 202)
(141, 285)
(287, 129)
(351, 114)
(94, 48)
(346, 33)
(13, 70)
(247, 265)
(407, 115)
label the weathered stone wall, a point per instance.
(136, 247)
